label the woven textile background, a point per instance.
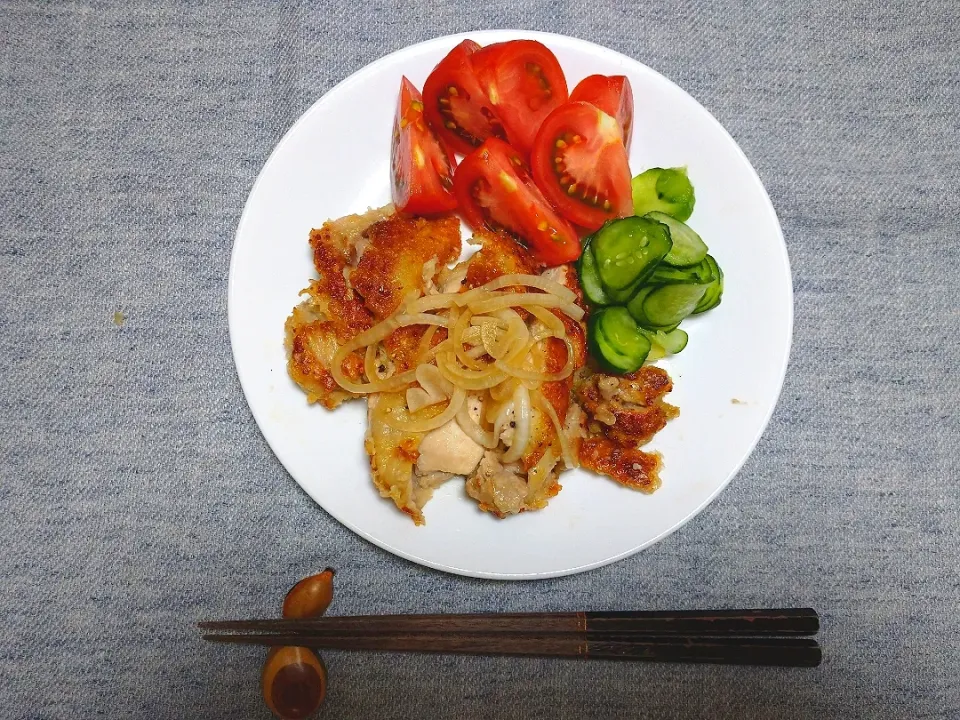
(137, 495)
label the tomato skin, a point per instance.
(580, 164)
(495, 191)
(612, 94)
(456, 106)
(422, 171)
(524, 82)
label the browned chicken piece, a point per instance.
(331, 314)
(628, 409)
(408, 466)
(392, 252)
(505, 489)
(623, 413)
(398, 249)
(628, 466)
(498, 255)
(393, 454)
(403, 345)
(312, 340)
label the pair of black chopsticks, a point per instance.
(738, 637)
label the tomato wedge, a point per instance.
(524, 82)
(422, 170)
(580, 164)
(495, 191)
(456, 106)
(613, 95)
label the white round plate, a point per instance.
(335, 160)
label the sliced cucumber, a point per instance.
(665, 343)
(628, 250)
(668, 304)
(635, 305)
(636, 308)
(665, 274)
(666, 190)
(674, 341)
(616, 341)
(711, 298)
(688, 249)
(624, 296)
(589, 280)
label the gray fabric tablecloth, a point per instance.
(137, 494)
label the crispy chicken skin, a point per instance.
(392, 263)
(312, 340)
(393, 455)
(330, 314)
(386, 254)
(624, 412)
(498, 255)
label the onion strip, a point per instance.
(569, 459)
(521, 433)
(428, 424)
(369, 366)
(535, 281)
(473, 429)
(424, 346)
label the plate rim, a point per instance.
(233, 319)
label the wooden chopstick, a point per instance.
(790, 622)
(785, 652)
(744, 637)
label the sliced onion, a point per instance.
(432, 381)
(498, 301)
(473, 430)
(521, 432)
(502, 417)
(369, 362)
(429, 302)
(569, 459)
(533, 375)
(422, 319)
(553, 323)
(468, 379)
(424, 346)
(428, 424)
(534, 281)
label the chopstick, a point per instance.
(726, 636)
(790, 621)
(787, 652)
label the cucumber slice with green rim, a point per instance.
(624, 296)
(664, 343)
(616, 341)
(628, 250)
(665, 274)
(666, 190)
(688, 249)
(589, 279)
(711, 298)
(636, 308)
(674, 341)
(667, 305)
